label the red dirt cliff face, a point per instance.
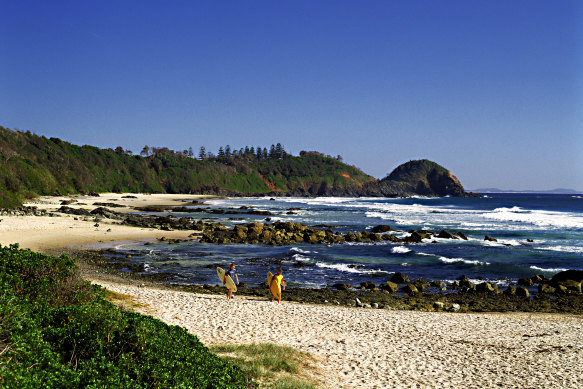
(455, 179)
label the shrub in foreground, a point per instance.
(57, 330)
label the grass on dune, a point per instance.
(271, 365)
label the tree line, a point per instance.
(223, 154)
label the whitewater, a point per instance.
(536, 234)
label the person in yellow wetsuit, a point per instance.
(280, 282)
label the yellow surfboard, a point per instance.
(229, 284)
(275, 288)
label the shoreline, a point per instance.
(87, 236)
(40, 233)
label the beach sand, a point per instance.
(378, 348)
(354, 347)
(42, 233)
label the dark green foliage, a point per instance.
(33, 165)
(57, 330)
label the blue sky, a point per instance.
(492, 90)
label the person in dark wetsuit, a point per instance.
(233, 274)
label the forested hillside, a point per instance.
(33, 165)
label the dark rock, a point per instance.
(485, 287)
(381, 228)
(510, 291)
(112, 205)
(465, 283)
(574, 275)
(571, 286)
(421, 177)
(546, 288)
(462, 236)
(390, 287)
(342, 286)
(444, 234)
(522, 292)
(368, 285)
(537, 279)
(421, 285)
(490, 239)
(74, 211)
(410, 289)
(437, 284)
(525, 282)
(400, 278)
(415, 237)
(392, 238)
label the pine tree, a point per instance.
(259, 154)
(202, 153)
(228, 151)
(221, 152)
(272, 152)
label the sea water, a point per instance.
(536, 234)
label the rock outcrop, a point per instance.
(420, 177)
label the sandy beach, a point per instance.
(42, 233)
(377, 348)
(354, 347)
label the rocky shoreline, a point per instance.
(400, 293)
(562, 293)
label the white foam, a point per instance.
(536, 217)
(299, 250)
(551, 270)
(566, 249)
(467, 261)
(300, 258)
(400, 250)
(348, 269)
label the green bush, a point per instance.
(57, 330)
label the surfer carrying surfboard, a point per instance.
(233, 274)
(277, 284)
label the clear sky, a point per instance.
(492, 90)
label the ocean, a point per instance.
(536, 233)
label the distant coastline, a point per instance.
(531, 191)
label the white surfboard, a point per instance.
(229, 284)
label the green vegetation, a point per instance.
(57, 330)
(272, 365)
(33, 165)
